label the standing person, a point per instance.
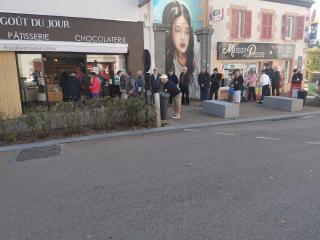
(155, 81)
(216, 78)
(116, 84)
(297, 76)
(139, 83)
(173, 78)
(276, 82)
(204, 83)
(74, 88)
(129, 84)
(184, 84)
(269, 71)
(252, 83)
(265, 84)
(172, 88)
(95, 86)
(240, 78)
(64, 84)
(237, 84)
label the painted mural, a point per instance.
(183, 18)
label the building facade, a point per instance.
(249, 34)
(38, 41)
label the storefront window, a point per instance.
(30, 69)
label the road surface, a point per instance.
(240, 182)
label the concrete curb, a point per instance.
(150, 131)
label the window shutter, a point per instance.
(284, 26)
(269, 32)
(264, 23)
(235, 23)
(299, 34)
(248, 24)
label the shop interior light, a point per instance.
(56, 59)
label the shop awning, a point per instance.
(57, 46)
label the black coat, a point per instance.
(185, 80)
(216, 80)
(74, 88)
(204, 79)
(155, 83)
(297, 77)
(173, 78)
(276, 79)
(270, 73)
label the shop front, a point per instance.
(37, 51)
(254, 56)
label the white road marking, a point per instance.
(306, 117)
(268, 138)
(226, 134)
(314, 143)
(191, 130)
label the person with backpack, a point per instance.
(184, 84)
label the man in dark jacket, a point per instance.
(216, 78)
(269, 72)
(184, 84)
(74, 88)
(204, 83)
(275, 82)
(64, 84)
(155, 81)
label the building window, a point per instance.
(266, 26)
(241, 24)
(289, 29)
(293, 27)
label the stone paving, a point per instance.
(193, 114)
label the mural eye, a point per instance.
(177, 30)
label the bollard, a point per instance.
(157, 109)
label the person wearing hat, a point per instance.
(172, 88)
(216, 78)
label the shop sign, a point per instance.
(233, 50)
(217, 15)
(25, 27)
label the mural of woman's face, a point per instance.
(181, 34)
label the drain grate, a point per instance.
(38, 152)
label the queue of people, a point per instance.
(122, 84)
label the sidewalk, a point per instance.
(192, 113)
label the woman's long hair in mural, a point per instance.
(171, 12)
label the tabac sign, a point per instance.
(233, 50)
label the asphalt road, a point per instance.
(241, 182)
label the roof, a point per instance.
(302, 3)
